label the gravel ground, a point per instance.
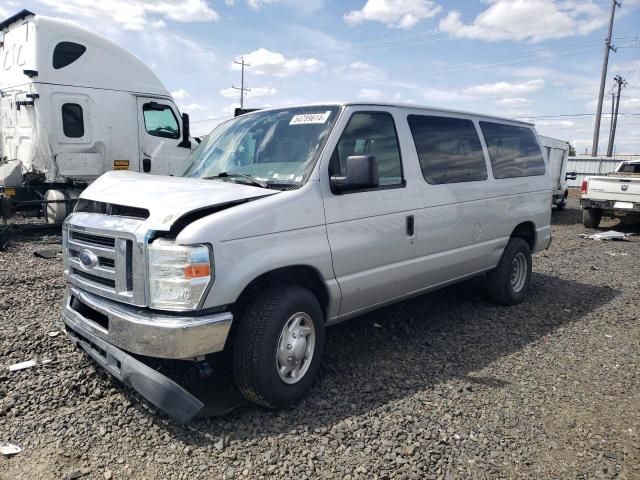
(445, 385)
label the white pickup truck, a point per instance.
(616, 195)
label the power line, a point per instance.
(510, 59)
(570, 115)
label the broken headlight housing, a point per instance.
(178, 275)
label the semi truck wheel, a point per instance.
(591, 217)
(278, 346)
(55, 212)
(509, 281)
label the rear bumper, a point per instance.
(609, 205)
(163, 392)
(143, 332)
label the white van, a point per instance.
(285, 221)
(74, 105)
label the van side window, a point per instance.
(371, 133)
(72, 120)
(160, 121)
(513, 151)
(66, 53)
(449, 149)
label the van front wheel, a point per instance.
(278, 346)
(509, 281)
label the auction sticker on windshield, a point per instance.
(309, 118)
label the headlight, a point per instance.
(178, 275)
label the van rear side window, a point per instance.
(513, 151)
(66, 53)
(72, 120)
(449, 149)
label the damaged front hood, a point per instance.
(167, 198)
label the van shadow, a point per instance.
(410, 347)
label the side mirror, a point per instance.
(571, 175)
(186, 132)
(362, 172)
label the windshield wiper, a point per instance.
(251, 179)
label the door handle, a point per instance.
(411, 226)
(146, 165)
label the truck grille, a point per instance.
(114, 264)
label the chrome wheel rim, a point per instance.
(518, 272)
(295, 349)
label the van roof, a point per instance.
(407, 106)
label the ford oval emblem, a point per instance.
(88, 259)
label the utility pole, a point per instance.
(241, 87)
(613, 101)
(621, 83)
(603, 78)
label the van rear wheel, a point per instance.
(509, 282)
(591, 217)
(278, 346)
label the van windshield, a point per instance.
(274, 149)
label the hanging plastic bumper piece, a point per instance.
(158, 389)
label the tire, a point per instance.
(260, 343)
(506, 286)
(591, 217)
(560, 206)
(55, 212)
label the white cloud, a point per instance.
(370, 94)
(180, 94)
(9, 7)
(505, 88)
(374, 95)
(253, 92)
(136, 14)
(394, 13)
(229, 92)
(362, 72)
(261, 92)
(194, 107)
(528, 20)
(266, 62)
(514, 102)
(306, 6)
(231, 108)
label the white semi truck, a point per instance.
(558, 154)
(74, 105)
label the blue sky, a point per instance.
(532, 59)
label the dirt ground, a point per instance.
(447, 385)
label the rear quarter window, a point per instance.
(513, 150)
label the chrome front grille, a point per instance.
(114, 262)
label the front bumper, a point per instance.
(143, 332)
(163, 392)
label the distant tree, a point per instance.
(572, 151)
